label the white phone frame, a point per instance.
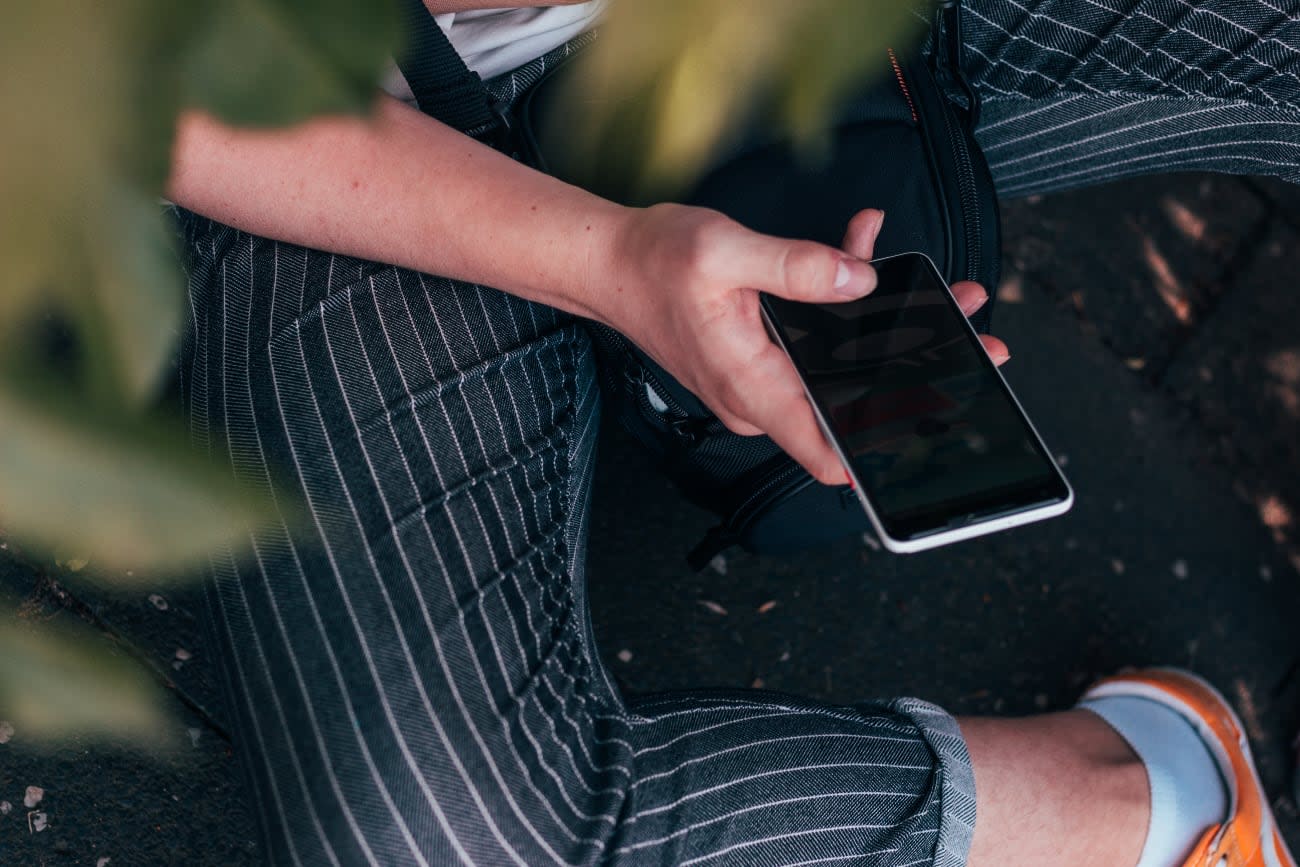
(958, 534)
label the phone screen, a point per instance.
(933, 433)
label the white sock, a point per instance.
(1188, 794)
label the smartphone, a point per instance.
(936, 445)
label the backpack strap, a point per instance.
(444, 87)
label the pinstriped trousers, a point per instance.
(409, 663)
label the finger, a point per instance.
(797, 270)
(863, 230)
(997, 350)
(970, 296)
(738, 425)
(773, 401)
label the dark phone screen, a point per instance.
(934, 435)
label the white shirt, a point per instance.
(495, 41)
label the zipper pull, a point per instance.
(948, 60)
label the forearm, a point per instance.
(681, 282)
(401, 188)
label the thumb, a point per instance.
(864, 229)
(802, 270)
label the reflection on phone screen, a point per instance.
(932, 431)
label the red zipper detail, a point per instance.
(902, 83)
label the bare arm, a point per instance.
(402, 188)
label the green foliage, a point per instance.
(91, 95)
(58, 679)
(258, 62)
(668, 82)
(93, 92)
(144, 502)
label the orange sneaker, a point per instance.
(1248, 837)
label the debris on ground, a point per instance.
(33, 796)
(625, 655)
(713, 607)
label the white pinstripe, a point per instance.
(359, 835)
(1175, 151)
(513, 574)
(261, 654)
(410, 659)
(1110, 134)
(698, 793)
(766, 805)
(1097, 173)
(506, 524)
(648, 778)
(805, 833)
(368, 656)
(505, 789)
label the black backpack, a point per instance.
(904, 144)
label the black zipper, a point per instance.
(971, 225)
(948, 63)
(779, 480)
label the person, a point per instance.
(410, 664)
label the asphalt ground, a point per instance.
(1153, 327)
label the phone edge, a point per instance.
(945, 537)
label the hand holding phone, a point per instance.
(936, 445)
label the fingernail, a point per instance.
(975, 305)
(843, 275)
(1002, 359)
(854, 278)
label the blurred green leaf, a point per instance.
(832, 50)
(261, 62)
(132, 304)
(91, 95)
(58, 679)
(697, 70)
(95, 111)
(128, 494)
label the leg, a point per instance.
(1062, 788)
(1152, 768)
(407, 655)
(1083, 91)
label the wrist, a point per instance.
(608, 264)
